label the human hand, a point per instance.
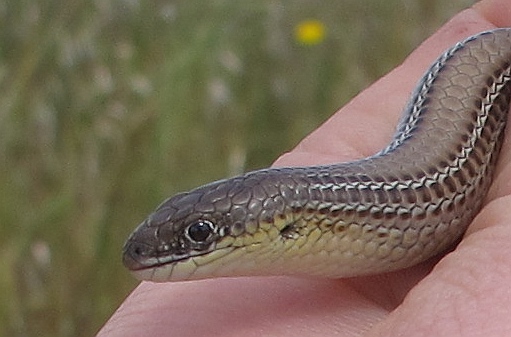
(467, 293)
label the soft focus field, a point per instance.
(108, 107)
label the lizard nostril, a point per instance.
(134, 254)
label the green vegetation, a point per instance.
(108, 107)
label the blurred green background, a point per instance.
(108, 107)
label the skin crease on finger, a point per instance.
(466, 294)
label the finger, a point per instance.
(259, 306)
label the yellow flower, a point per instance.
(310, 32)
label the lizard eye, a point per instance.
(200, 231)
